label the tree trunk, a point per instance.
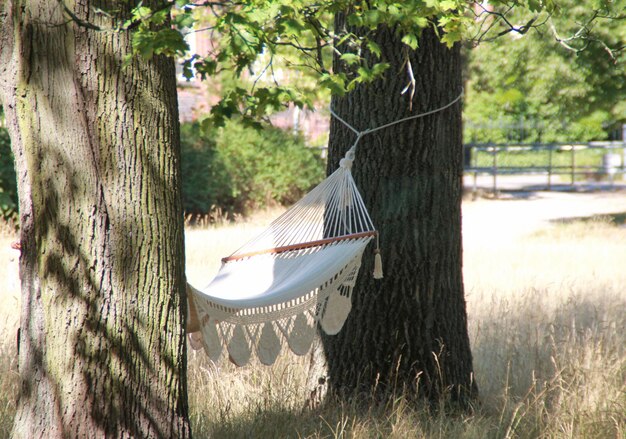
(97, 152)
(407, 332)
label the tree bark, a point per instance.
(97, 153)
(406, 333)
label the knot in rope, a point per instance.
(346, 162)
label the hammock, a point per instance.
(296, 274)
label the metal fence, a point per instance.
(554, 163)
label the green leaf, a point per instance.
(170, 42)
(140, 13)
(445, 20)
(374, 48)
(411, 41)
(347, 37)
(291, 27)
(373, 17)
(534, 5)
(365, 74)
(394, 11)
(368, 75)
(421, 22)
(450, 38)
(352, 84)
(233, 18)
(159, 18)
(350, 58)
(184, 20)
(380, 68)
(187, 69)
(448, 5)
(225, 109)
(206, 67)
(335, 83)
(355, 20)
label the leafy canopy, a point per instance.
(258, 38)
(536, 86)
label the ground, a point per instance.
(546, 316)
(515, 214)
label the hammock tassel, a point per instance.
(378, 265)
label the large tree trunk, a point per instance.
(408, 332)
(97, 155)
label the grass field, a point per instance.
(547, 322)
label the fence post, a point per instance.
(475, 157)
(495, 169)
(623, 150)
(573, 164)
(475, 189)
(550, 146)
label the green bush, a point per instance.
(238, 168)
(8, 181)
(204, 177)
(234, 169)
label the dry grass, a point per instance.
(548, 331)
(547, 316)
(9, 304)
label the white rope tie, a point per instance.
(360, 134)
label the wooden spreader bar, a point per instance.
(302, 246)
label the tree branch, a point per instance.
(132, 25)
(319, 45)
(501, 18)
(78, 20)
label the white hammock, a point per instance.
(298, 272)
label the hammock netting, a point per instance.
(299, 272)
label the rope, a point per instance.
(360, 134)
(357, 132)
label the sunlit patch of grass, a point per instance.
(547, 320)
(223, 396)
(553, 365)
(606, 226)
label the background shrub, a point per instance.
(233, 169)
(8, 182)
(204, 177)
(238, 168)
